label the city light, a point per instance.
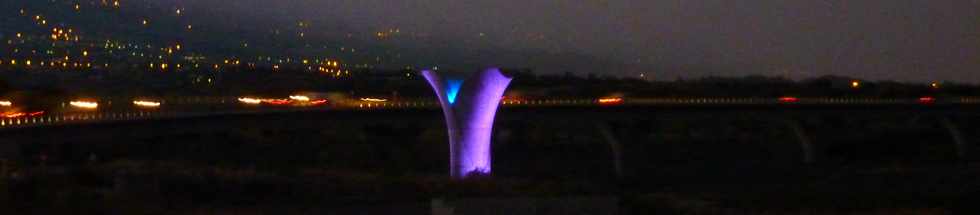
(855, 84)
(5, 103)
(61, 32)
(927, 100)
(85, 104)
(146, 104)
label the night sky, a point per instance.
(906, 40)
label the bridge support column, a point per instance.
(469, 105)
(803, 139)
(614, 146)
(958, 139)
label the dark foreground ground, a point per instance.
(395, 163)
(167, 188)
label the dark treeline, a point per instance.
(748, 86)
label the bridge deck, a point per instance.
(797, 105)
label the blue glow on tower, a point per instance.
(452, 90)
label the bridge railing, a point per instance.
(59, 118)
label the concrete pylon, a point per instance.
(804, 140)
(469, 105)
(954, 131)
(615, 147)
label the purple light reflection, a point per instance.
(469, 118)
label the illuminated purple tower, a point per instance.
(469, 105)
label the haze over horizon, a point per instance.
(904, 40)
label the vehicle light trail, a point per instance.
(146, 104)
(300, 98)
(85, 104)
(251, 101)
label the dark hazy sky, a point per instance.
(917, 40)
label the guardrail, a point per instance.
(95, 116)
